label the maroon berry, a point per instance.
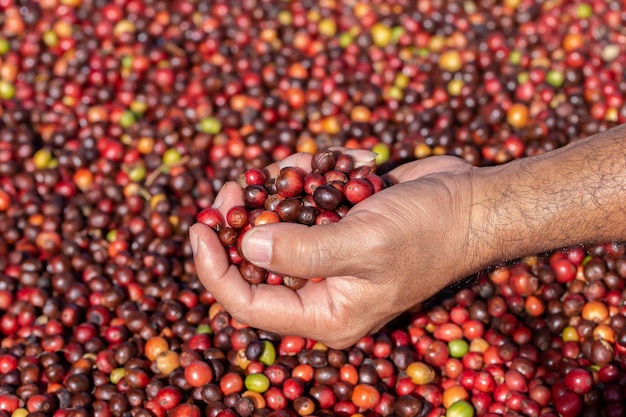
(289, 208)
(323, 161)
(361, 172)
(272, 200)
(234, 255)
(253, 274)
(295, 283)
(327, 197)
(289, 182)
(407, 406)
(376, 181)
(274, 279)
(254, 196)
(344, 163)
(228, 236)
(568, 404)
(293, 388)
(306, 215)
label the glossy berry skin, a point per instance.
(254, 176)
(212, 218)
(254, 196)
(323, 162)
(569, 404)
(324, 396)
(185, 410)
(289, 182)
(312, 180)
(326, 217)
(307, 215)
(344, 163)
(275, 399)
(237, 217)
(169, 397)
(407, 406)
(358, 189)
(288, 209)
(198, 373)
(579, 380)
(365, 396)
(253, 274)
(327, 197)
(293, 388)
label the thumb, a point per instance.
(303, 251)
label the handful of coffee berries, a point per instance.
(324, 195)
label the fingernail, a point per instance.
(258, 246)
(193, 241)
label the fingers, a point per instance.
(229, 195)
(303, 251)
(436, 164)
(361, 157)
(300, 160)
(272, 307)
(210, 258)
(217, 275)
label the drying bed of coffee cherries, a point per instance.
(120, 120)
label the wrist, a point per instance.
(572, 195)
(487, 238)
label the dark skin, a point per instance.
(443, 221)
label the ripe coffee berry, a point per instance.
(322, 196)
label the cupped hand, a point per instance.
(389, 253)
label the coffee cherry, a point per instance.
(365, 396)
(237, 217)
(344, 163)
(252, 176)
(327, 197)
(254, 196)
(289, 208)
(289, 182)
(253, 274)
(407, 406)
(198, 373)
(579, 380)
(358, 189)
(212, 218)
(228, 236)
(306, 215)
(294, 283)
(323, 162)
(312, 180)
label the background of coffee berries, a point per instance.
(119, 121)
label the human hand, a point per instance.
(389, 253)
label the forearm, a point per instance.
(575, 194)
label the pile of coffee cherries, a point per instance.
(323, 195)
